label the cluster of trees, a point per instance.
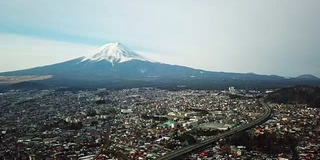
(186, 138)
(269, 143)
(201, 132)
(162, 119)
(298, 94)
(91, 112)
(61, 124)
(183, 140)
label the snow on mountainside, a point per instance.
(114, 53)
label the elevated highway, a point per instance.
(183, 151)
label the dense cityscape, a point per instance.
(147, 123)
(159, 80)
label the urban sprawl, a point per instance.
(147, 123)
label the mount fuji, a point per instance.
(109, 63)
(113, 64)
(113, 53)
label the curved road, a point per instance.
(207, 142)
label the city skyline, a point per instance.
(269, 37)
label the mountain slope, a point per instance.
(26, 86)
(110, 61)
(114, 64)
(307, 77)
(297, 94)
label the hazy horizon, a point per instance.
(262, 37)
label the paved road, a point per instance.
(207, 142)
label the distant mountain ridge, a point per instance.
(114, 60)
(308, 76)
(302, 94)
(113, 64)
(26, 86)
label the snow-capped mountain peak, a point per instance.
(114, 53)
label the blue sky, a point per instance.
(265, 37)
